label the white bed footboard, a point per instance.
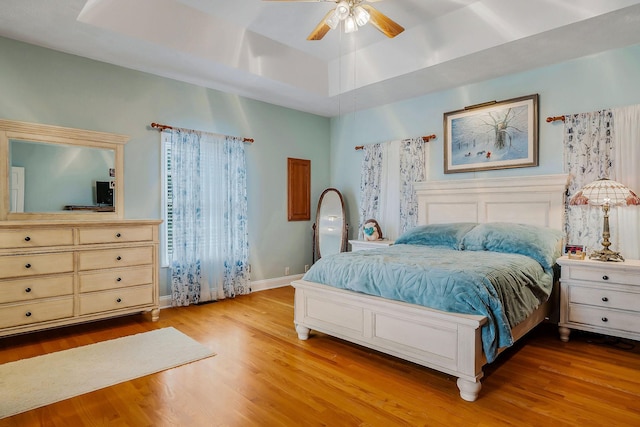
(446, 342)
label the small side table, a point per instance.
(364, 245)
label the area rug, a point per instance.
(30, 383)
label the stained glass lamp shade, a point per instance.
(606, 193)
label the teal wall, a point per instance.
(44, 86)
(605, 80)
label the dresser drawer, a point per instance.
(35, 238)
(603, 275)
(34, 288)
(116, 278)
(97, 302)
(34, 312)
(604, 318)
(604, 298)
(36, 264)
(111, 258)
(116, 234)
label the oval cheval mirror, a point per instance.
(330, 229)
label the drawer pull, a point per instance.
(604, 319)
(118, 258)
(119, 279)
(28, 314)
(605, 277)
(605, 299)
(119, 300)
(26, 239)
(118, 235)
(27, 290)
(27, 266)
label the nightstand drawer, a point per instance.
(604, 318)
(604, 298)
(604, 275)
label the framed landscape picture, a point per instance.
(495, 135)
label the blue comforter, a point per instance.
(504, 287)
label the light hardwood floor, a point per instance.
(263, 375)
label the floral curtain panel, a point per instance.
(603, 144)
(588, 156)
(388, 171)
(210, 234)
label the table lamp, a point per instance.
(606, 193)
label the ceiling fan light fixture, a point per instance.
(350, 24)
(333, 20)
(343, 10)
(361, 16)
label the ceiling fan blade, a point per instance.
(382, 22)
(321, 29)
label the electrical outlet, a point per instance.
(306, 268)
(286, 271)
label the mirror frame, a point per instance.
(345, 227)
(35, 132)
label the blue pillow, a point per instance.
(540, 243)
(449, 235)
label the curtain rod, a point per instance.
(555, 119)
(424, 138)
(161, 127)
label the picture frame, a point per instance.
(492, 135)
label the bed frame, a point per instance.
(447, 342)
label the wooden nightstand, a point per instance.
(363, 245)
(602, 297)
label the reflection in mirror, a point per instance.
(48, 177)
(330, 235)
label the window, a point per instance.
(167, 201)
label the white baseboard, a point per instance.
(258, 285)
(277, 282)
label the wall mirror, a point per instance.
(330, 228)
(53, 172)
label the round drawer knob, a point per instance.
(119, 279)
(605, 277)
(605, 299)
(118, 235)
(118, 258)
(28, 314)
(27, 290)
(119, 300)
(26, 239)
(604, 319)
(27, 266)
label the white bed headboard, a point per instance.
(536, 200)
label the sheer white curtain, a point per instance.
(627, 171)
(210, 237)
(388, 172)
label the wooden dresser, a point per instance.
(56, 273)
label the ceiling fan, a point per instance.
(354, 14)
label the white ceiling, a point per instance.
(258, 49)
